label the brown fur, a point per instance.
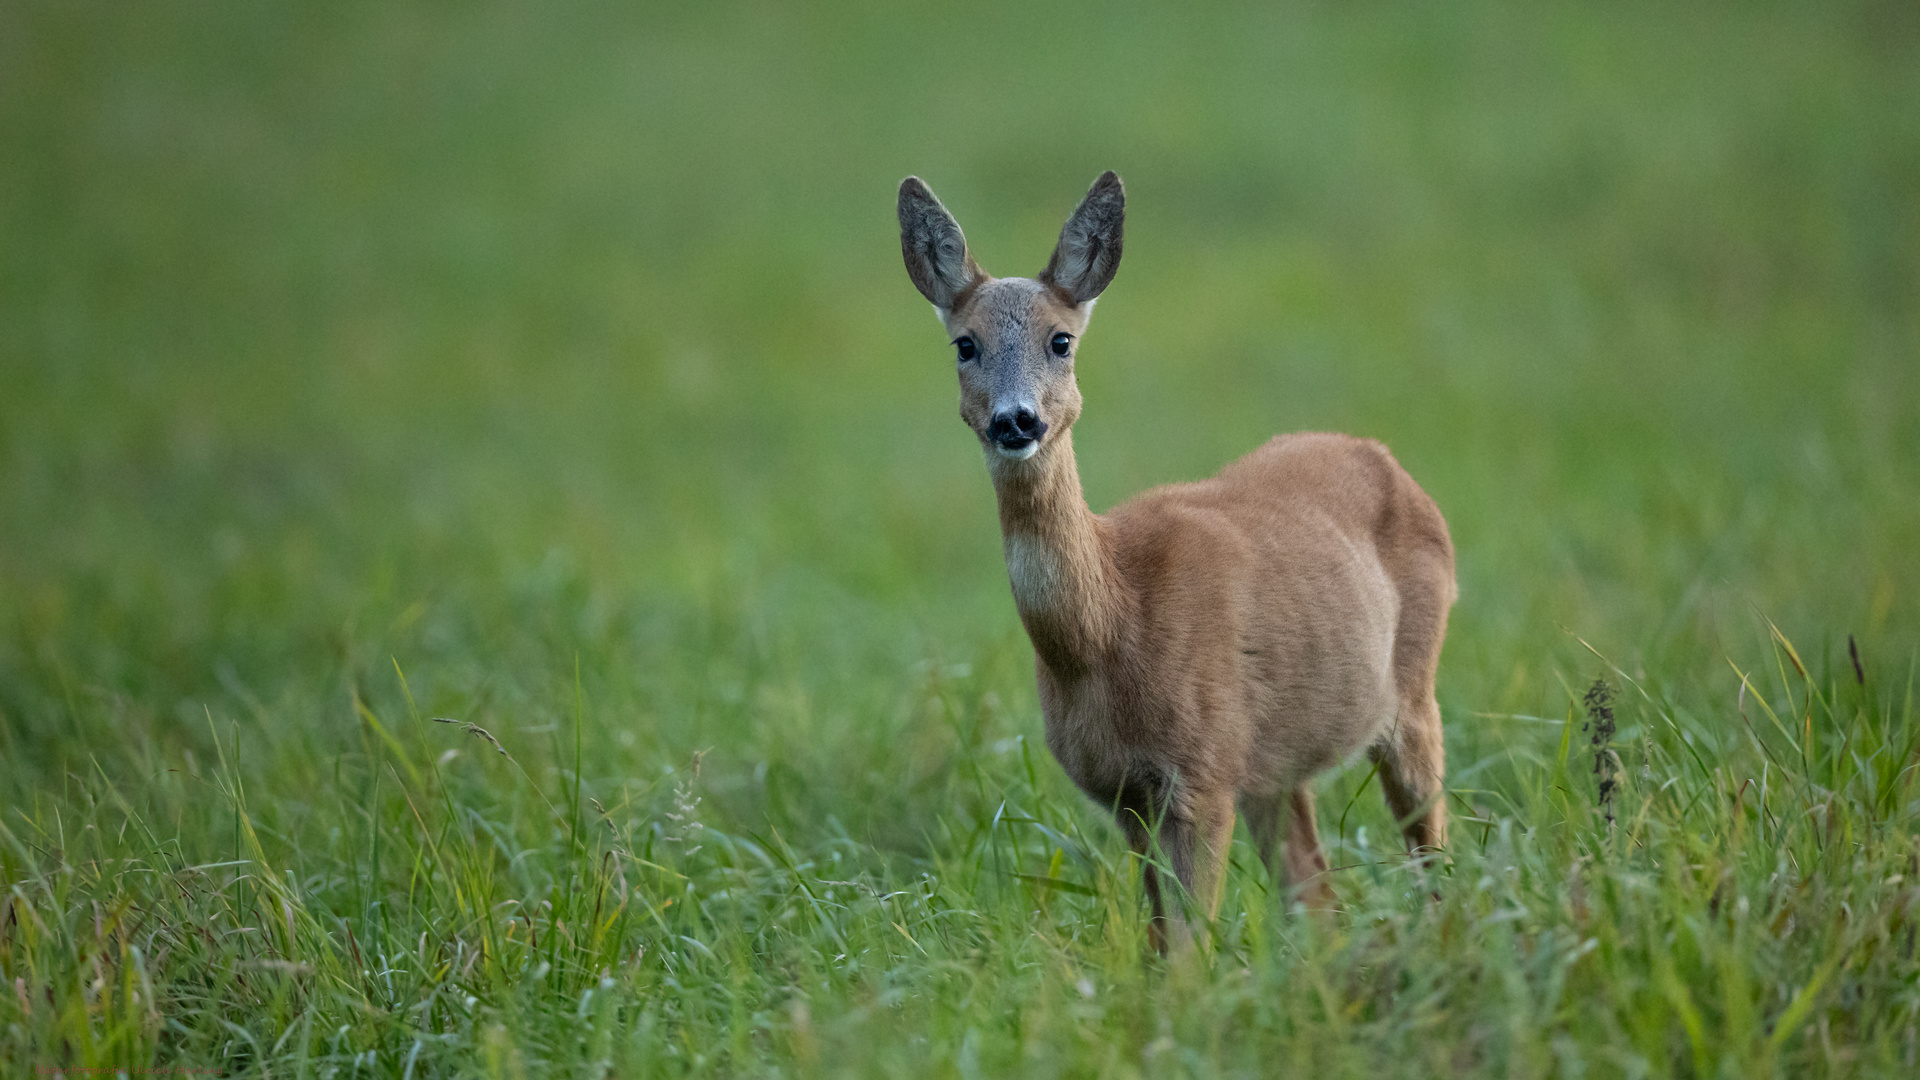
(1206, 645)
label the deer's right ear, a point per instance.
(934, 248)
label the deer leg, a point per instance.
(1196, 835)
(1289, 844)
(1306, 863)
(1263, 814)
(1412, 765)
(1141, 841)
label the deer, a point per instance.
(1202, 647)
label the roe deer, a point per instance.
(1203, 644)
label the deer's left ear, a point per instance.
(1088, 254)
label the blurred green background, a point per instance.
(486, 338)
(534, 347)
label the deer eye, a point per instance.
(1061, 343)
(968, 350)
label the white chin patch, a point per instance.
(1021, 454)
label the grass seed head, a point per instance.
(1606, 763)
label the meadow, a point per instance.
(550, 370)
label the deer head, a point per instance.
(1014, 338)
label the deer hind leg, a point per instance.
(1412, 758)
(1412, 766)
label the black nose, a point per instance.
(1016, 427)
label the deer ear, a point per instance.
(1088, 254)
(933, 246)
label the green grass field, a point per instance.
(552, 368)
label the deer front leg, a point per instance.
(1140, 839)
(1196, 834)
(1306, 863)
(1263, 814)
(1289, 843)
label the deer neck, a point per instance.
(1060, 559)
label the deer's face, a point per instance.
(1013, 342)
(1014, 339)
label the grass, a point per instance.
(550, 369)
